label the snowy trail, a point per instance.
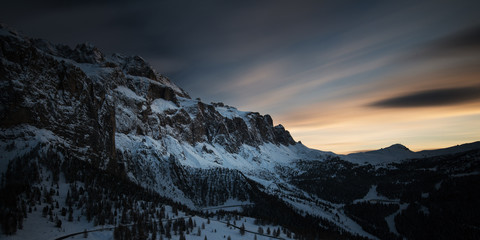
(391, 219)
(256, 233)
(222, 207)
(111, 228)
(88, 231)
(166, 220)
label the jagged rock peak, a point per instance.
(82, 53)
(135, 66)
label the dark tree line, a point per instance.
(452, 212)
(17, 193)
(372, 217)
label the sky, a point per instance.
(341, 76)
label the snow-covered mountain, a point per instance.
(398, 153)
(82, 120)
(120, 115)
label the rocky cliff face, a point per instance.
(50, 92)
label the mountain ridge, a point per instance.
(402, 153)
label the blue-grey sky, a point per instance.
(340, 75)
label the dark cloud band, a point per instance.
(466, 40)
(430, 98)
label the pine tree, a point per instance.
(58, 222)
(242, 230)
(116, 233)
(167, 230)
(160, 226)
(68, 200)
(70, 217)
(20, 221)
(124, 219)
(9, 224)
(175, 210)
(45, 211)
(154, 235)
(182, 237)
(190, 223)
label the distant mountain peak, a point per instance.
(396, 147)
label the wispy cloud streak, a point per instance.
(436, 97)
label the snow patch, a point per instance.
(231, 113)
(129, 93)
(372, 195)
(20, 140)
(160, 105)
